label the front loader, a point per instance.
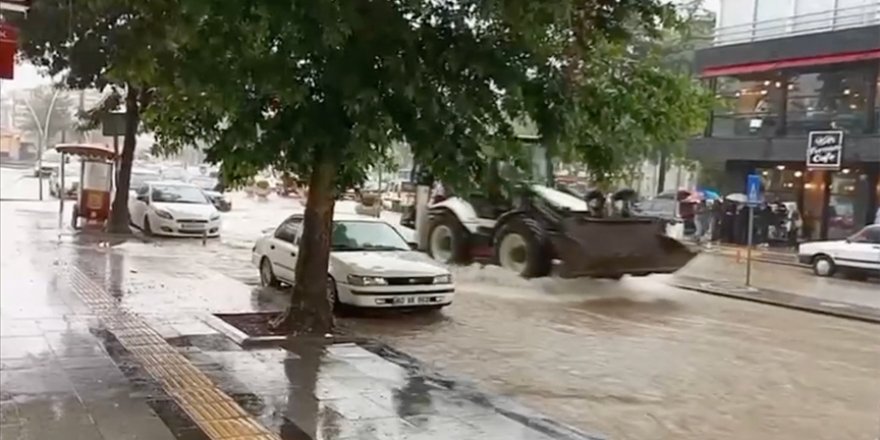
(547, 231)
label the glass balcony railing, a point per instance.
(824, 21)
(797, 123)
(745, 125)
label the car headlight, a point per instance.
(215, 216)
(359, 280)
(164, 214)
(443, 279)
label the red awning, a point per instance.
(739, 69)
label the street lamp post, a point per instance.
(43, 134)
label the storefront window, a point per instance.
(829, 99)
(814, 192)
(842, 205)
(877, 105)
(749, 106)
(781, 184)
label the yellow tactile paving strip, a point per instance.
(211, 409)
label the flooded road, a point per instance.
(638, 360)
(634, 359)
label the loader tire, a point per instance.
(522, 246)
(448, 240)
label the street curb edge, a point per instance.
(827, 311)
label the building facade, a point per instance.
(785, 72)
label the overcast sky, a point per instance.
(27, 76)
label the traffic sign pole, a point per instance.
(749, 245)
(753, 188)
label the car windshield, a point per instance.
(206, 183)
(178, 194)
(366, 236)
(174, 174)
(868, 234)
(138, 179)
(51, 156)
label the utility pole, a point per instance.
(42, 135)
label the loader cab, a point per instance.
(503, 185)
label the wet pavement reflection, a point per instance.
(310, 389)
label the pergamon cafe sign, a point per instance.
(825, 150)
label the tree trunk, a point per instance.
(311, 309)
(119, 212)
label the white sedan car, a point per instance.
(859, 253)
(174, 209)
(371, 265)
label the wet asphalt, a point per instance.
(633, 359)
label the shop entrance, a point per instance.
(830, 205)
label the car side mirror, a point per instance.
(144, 198)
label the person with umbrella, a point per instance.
(702, 216)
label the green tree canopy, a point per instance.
(626, 108)
(323, 88)
(96, 43)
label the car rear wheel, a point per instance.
(267, 277)
(521, 247)
(823, 266)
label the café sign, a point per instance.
(825, 150)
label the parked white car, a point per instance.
(173, 209)
(50, 162)
(71, 181)
(859, 253)
(371, 265)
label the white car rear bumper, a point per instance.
(396, 296)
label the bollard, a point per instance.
(738, 256)
(205, 238)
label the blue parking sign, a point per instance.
(753, 189)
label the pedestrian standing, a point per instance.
(741, 226)
(717, 220)
(701, 220)
(728, 223)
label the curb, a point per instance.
(239, 337)
(795, 302)
(245, 341)
(782, 259)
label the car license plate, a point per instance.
(411, 300)
(192, 227)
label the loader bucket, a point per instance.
(613, 247)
